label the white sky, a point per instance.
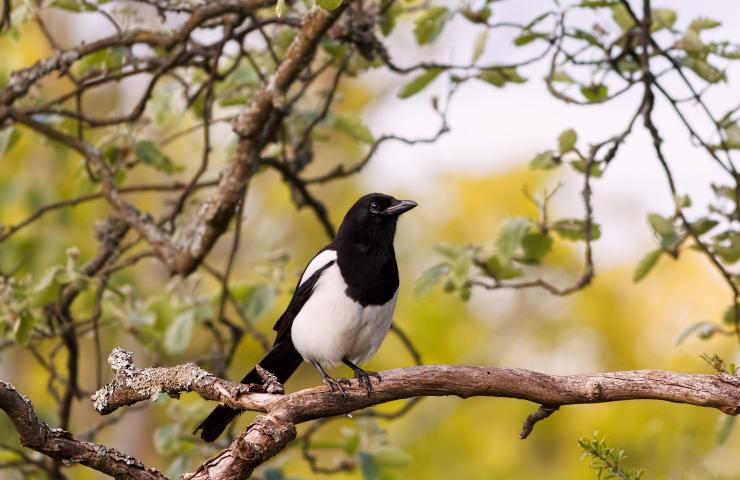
(496, 129)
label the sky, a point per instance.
(497, 129)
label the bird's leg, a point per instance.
(362, 376)
(328, 381)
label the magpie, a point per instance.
(342, 306)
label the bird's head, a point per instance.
(373, 218)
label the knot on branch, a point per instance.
(271, 382)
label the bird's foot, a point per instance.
(336, 385)
(364, 379)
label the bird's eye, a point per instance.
(374, 207)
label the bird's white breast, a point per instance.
(331, 326)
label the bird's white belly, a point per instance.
(331, 326)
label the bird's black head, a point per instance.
(372, 219)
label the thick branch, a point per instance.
(60, 445)
(271, 432)
(254, 131)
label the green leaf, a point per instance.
(732, 132)
(725, 428)
(730, 253)
(257, 300)
(465, 293)
(328, 4)
(575, 229)
(683, 201)
(499, 76)
(280, 8)
(510, 237)
(598, 3)
(536, 245)
(704, 330)
(703, 225)
(389, 19)
(107, 58)
(461, 268)
(701, 23)
(430, 278)
(23, 327)
(354, 128)
(670, 241)
(179, 332)
(661, 225)
(727, 246)
(480, 45)
(589, 37)
(167, 439)
(662, 18)
(492, 76)
(580, 166)
(476, 16)
(528, 37)
(430, 24)
(704, 70)
(512, 75)
(560, 76)
(691, 42)
(567, 140)
(420, 82)
(501, 270)
(545, 161)
(728, 317)
(449, 251)
(646, 264)
(69, 5)
(149, 154)
(9, 138)
(622, 17)
(594, 93)
(50, 277)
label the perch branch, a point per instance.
(271, 432)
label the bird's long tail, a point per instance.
(282, 360)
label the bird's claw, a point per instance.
(363, 378)
(336, 385)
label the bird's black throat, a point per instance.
(370, 272)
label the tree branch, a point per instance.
(60, 445)
(271, 432)
(254, 131)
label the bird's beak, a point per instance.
(399, 207)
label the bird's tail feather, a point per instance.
(282, 360)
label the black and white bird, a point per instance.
(342, 307)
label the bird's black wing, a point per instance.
(302, 293)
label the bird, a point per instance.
(342, 306)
